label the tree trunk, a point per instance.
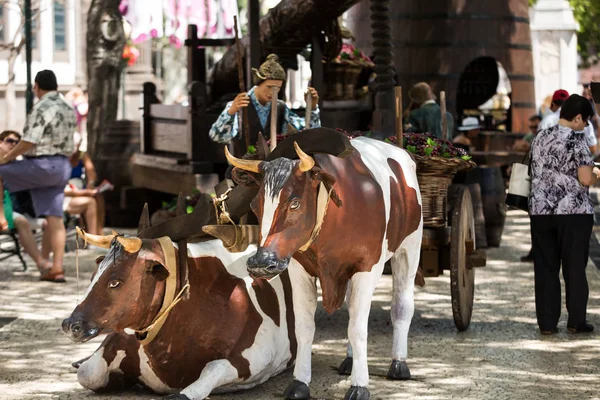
(105, 42)
(11, 95)
(286, 30)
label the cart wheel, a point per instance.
(462, 278)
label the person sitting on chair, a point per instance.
(8, 140)
(82, 197)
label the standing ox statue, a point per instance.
(232, 332)
(342, 219)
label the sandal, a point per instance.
(48, 276)
(45, 267)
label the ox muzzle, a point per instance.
(266, 265)
(79, 330)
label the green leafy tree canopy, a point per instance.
(587, 14)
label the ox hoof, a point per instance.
(345, 367)
(297, 391)
(357, 393)
(398, 371)
(176, 396)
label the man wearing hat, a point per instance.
(469, 130)
(427, 116)
(270, 75)
(558, 99)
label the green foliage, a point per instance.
(251, 149)
(411, 149)
(587, 14)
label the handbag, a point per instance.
(520, 184)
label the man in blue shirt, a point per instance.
(270, 75)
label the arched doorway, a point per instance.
(484, 91)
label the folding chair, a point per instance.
(15, 250)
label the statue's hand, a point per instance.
(241, 100)
(314, 94)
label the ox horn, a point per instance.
(96, 240)
(130, 244)
(306, 161)
(246, 165)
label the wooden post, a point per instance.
(253, 53)
(399, 133)
(308, 110)
(444, 117)
(243, 114)
(180, 210)
(274, 91)
(316, 66)
(149, 98)
(196, 56)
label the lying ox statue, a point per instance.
(342, 219)
(232, 332)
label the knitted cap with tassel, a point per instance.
(271, 69)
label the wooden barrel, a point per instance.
(493, 194)
(435, 41)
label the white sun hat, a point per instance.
(469, 124)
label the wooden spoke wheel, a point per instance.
(462, 276)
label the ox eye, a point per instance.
(295, 204)
(114, 284)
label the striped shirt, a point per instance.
(50, 126)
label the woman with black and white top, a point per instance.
(561, 213)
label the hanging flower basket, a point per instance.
(341, 74)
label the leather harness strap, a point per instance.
(169, 299)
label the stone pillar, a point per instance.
(554, 42)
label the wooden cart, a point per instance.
(449, 233)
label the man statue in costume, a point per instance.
(270, 74)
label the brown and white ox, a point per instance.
(232, 333)
(371, 215)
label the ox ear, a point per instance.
(158, 272)
(156, 260)
(99, 259)
(328, 180)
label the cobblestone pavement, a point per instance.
(501, 356)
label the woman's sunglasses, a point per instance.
(11, 141)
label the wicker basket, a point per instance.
(435, 176)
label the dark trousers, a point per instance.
(556, 239)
